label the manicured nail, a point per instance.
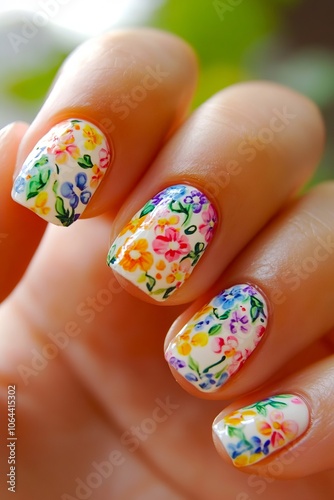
(63, 171)
(159, 248)
(254, 432)
(219, 338)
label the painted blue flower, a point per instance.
(237, 449)
(196, 199)
(191, 377)
(67, 190)
(19, 184)
(258, 446)
(229, 297)
(176, 363)
(205, 322)
(207, 384)
(222, 379)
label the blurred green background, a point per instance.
(288, 41)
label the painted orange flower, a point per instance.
(93, 138)
(136, 256)
(179, 272)
(96, 177)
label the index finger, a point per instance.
(115, 101)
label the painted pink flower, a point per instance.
(172, 244)
(104, 158)
(210, 218)
(226, 346)
(279, 430)
(64, 145)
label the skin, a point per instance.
(93, 396)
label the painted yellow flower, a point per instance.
(203, 312)
(200, 339)
(185, 344)
(40, 204)
(243, 460)
(93, 138)
(133, 225)
(165, 222)
(236, 417)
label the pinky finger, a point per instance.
(285, 430)
(20, 230)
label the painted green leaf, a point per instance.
(277, 404)
(215, 329)
(199, 248)
(191, 229)
(147, 209)
(193, 365)
(60, 207)
(222, 316)
(43, 160)
(256, 308)
(159, 291)
(168, 292)
(55, 187)
(235, 432)
(150, 282)
(37, 183)
(33, 189)
(85, 162)
(261, 409)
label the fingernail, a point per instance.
(219, 338)
(159, 248)
(63, 171)
(255, 431)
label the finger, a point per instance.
(17, 245)
(116, 99)
(209, 179)
(275, 300)
(284, 431)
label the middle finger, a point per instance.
(226, 171)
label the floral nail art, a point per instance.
(219, 338)
(159, 248)
(63, 171)
(255, 431)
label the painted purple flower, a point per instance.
(196, 199)
(239, 324)
(249, 290)
(67, 190)
(176, 363)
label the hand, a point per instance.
(98, 413)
